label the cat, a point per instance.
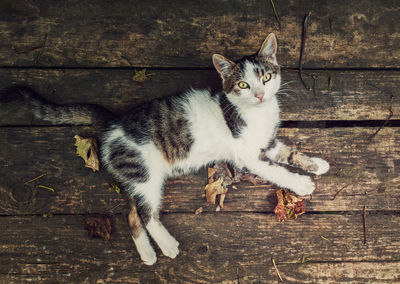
(179, 134)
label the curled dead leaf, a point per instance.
(288, 206)
(213, 189)
(141, 77)
(198, 211)
(87, 149)
(98, 226)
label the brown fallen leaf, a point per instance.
(213, 189)
(87, 149)
(98, 226)
(114, 188)
(198, 211)
(141, 77)
(288, 206)
(220, 176)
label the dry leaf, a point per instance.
(98, 226)
(87, 149)
(220, 176)
(141, 77)
(198, 211)
(214, 188)
(289, 206)
(114, 188)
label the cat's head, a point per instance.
(252, 80)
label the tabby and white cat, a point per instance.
(178, 134)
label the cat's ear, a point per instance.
(269, 47)
(223, 65)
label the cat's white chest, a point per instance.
(261, 128)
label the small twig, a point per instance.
(237, 275)
(383, 125)
(115, 207)
(36, 178)
(333, 163)
(29, 49)
(337, 192)
(277, 271)
(313, 86)
(46, 187)
(324, 238)
(365, 224)
(275, 12)
(302, 46)
(41, 50)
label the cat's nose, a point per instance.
(259, 96)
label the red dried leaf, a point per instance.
(288, 206)
(98, 226)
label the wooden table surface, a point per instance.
(87, 51)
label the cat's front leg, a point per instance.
(300, 184)
(279, 152)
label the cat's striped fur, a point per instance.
(177, 134)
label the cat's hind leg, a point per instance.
(150, 202)
(139, 235)
(150, 194)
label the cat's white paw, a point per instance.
(323, 166)
(144, 248)
(169, 246)
(304, 186)
(147, 254)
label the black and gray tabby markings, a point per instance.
(232, 117)
(164, 122)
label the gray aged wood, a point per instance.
(367, 170)
(364, 34)
(58, 249)
(338, 95)
(86, 51)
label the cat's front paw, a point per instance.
(323, 166)
(304, 186)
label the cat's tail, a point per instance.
(68, 114)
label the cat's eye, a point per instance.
(266, 77)
(243, 85)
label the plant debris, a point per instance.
(141, 77)
(220, 176)
(275, 13)
(213, 189)
(302, 47)
(276, 268)
(99, 226)
(114, 188)
(289, 206)
(46, 187)
(198, 211)
(36, 178)
(322, 237)
(87, 149)
(365, 224)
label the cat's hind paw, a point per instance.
(169, 247)
(323, 166)
(147, 255)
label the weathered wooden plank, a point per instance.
(58, 249)
(186, 33)
(338, 95)
(366, 171)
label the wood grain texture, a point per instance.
(338, 95)
(367, 169)
(57, 249)
(186, 33)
